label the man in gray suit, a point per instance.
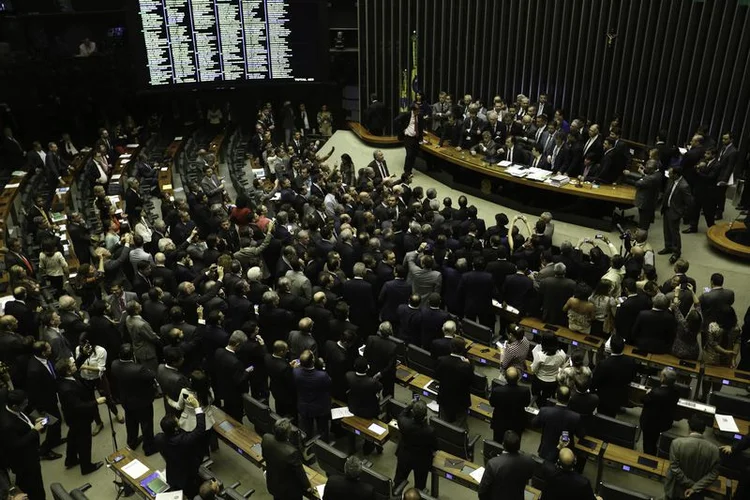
(145, 341)
(716, 298)
(423, 277)
(676, 203)
(646, 193)
(694, 463)
(118, 301)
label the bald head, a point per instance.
(411, 494)
(566, 458)
(319, 297)
(305, 324)
(511, 376)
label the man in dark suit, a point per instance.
(285, 476)
(379, 167)
(282, 384)
(154, 309)
(409, 128)
(654, 330)
(417, 446)
(647, 190)
(659, 407)
(380, 352)
(705, 191)
(15, 257)
(348, 486)
(183, 451)
(565, 483)
(339, 358)
(471, 131)
(476, 290)
(455, 374)
(364, 395)
(592, 145)
(612, 377)
(629, 309)
(512, 153)
(554, 293)
(313, 396)
(711, 301)
(41, 388)
(675, 205)
(509, 402)
(554, 420)
(375, 116)
(728, 156)
(171, 379)
(136, 386)
(232, 378)
(78, 408)
(441, 346)
(21, 445)
(359, 294)
(28, 322)
(393, 294)
(321, 316)
(507, 474)
(409, 320)
(518, 287)
(55, 167)
(432, 320)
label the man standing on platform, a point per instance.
(409, 127)
(677, 201)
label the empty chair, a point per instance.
(455, 440)
(479, 385)
(476, 332)
(491, 449)
(664, 442)
(614, 431)
(394, 408)
(382, 485)
(329, 458)
(611, 492)
(59, 493)
(259, 414)
(400, 348)
(727, 404)
(542, 472)
(420, 360)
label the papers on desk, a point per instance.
(505, 163)
(537, 174)
(18, 173)
(62, 227)
(517, 171)
(559, 180)
(696, 406)
(126, 155)
(178, 138)
(434, 406)
(170, 495)
(116, 177)
(124, 161)
(682, 150)
(477, 474)
(12, 186)
(164, 169)
(377, 429)
(131, 145)
(338, 413)
(135, 469)
(727, 423)
(167, 187)
(320, 489)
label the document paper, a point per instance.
(337, 413)
(377, 429)
(726, 423)
(477, 474)
(135, 469)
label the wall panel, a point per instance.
(674, 63)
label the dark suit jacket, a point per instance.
(554, 420)
(476, 289)
(171, 381)
(431, 326)
(659, 407)
(313, 392)
(285, 476)
(363, 312)
(554, 293)
(627, 313)
(77, 402)
(20, 442)
(710, 301)
(340, 487)
(73, 326)
(282, 384)
(381, 356)
(136, 383)
(567, 485)
(183, 454)
(506, 476)
(471, 132)
(166, 274)
(727, 163)
(654, 331)
(682, 199)
(418, 441)
(647, 191)
(393, 294)
(455, 376)
(339, 362)
(611, 380)
(41, 387)
(27, 318)
(517, 291)
(231, 377)
(363, 395)
(402, 121)
(508, 403)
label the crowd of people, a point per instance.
(275, 296)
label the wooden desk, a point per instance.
(717, 238)
(404, 374)
(316, 479)
(639, 358)
(691, 368)
(167, 171)
(565, 335)
(480, 407)
(727, 376)
(627, 460)
(361, 427)
(128, 456)
(591, 446)
(486, 356)
(368, 138)
(621, 194)
(457, 470)
(722, 485)
(240, 438)
(742, 425)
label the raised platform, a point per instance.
(374, 140)
(723, 239)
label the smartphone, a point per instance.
(415, 396)
(45, 420)
(565, 437)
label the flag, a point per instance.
(414, 57)
(404, 101)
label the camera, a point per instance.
(626, 237)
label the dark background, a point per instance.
(674, 63)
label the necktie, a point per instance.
(51, 369)
(26, 263)
(122, 303)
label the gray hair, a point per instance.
(661, 301)
(559, 269)
(238, 337)
(385, 329)
(492, 115)
(566, 245)
(669, 376)
(359, 269)
(434, 204)
(449, 327)
(353, 467)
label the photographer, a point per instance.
(93, 375)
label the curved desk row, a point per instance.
(166, 171)
(374, 140)
(717, 237)
(620, 194)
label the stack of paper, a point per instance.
(338, 413)
(537, 174)
(135, 469)
(727, 423)
(517, 171)
(477, 474)
(18, 173)
(12, 186)
(505, 163)
(377, 429)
